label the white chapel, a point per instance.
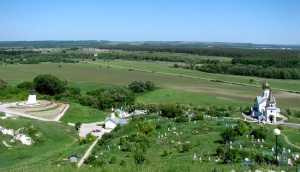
(265, 106)
(112, 121)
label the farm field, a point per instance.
(91, 76)
(166, 67)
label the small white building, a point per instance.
(140, 112)
(265, 106)
(112, 121)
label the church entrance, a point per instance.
(271, 118)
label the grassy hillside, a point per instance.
(203, 135)
(59, 141)
(84, 114)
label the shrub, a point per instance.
(166, 153)
(233, 155)
(186, 147)
(113, 160)
(182, 119)
(258, 133)
(228, 134)
(240, 128)
(259, 158)
(220, 151)
(158, 126)
(123, 163)
(198, 117)
(139, 156)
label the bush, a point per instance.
(228, 134)
(198, 117)
(145, 127)
(182, 119)
(139, 156)
(113, 160)
(158, 126)
(258, 133)
(48, 84)
(123, 163)
(186, 147)
(240, 128)
(166, 153)
(26, 85)
(220, 151)
(259, 158)
(233, 155)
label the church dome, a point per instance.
(265, 85)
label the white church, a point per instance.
(265, 106)
(112, 121)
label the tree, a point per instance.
(240, 128)
(115, 95)
(77, 125)
(171, 111)
(48, 84)
(26, 85)
(113, 160)
(258, 133)
(145, 127)
(186, 147)
(182, 118)
(139, 156)
(137, 86)
(228, 134)
(149, 85)
(198, 116)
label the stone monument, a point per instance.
(31, 97)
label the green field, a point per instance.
(91, 76)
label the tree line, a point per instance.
(214, 51)
(251, 70)
(267, 62)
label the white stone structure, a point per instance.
(265, 106)
(112, 121)
(31, 99)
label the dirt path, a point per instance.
(287, 140)
(91, 147)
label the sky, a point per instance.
(241, 21)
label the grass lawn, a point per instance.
(60, 142)
(84, 114)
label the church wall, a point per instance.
(109, 125)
